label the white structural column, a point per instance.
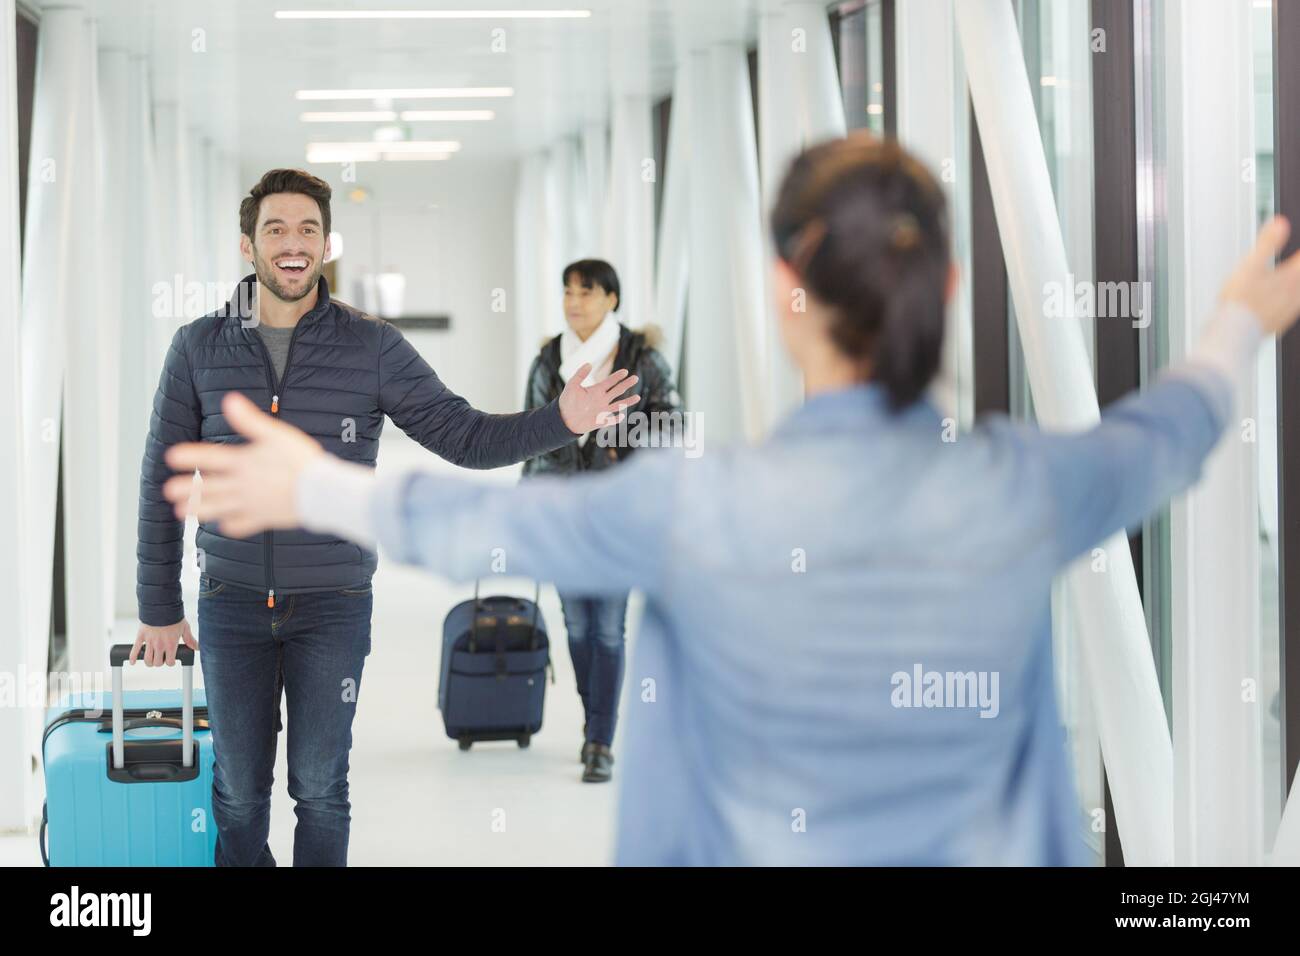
(88, 393)
(725, 328)
(202, 186)
(799, 104)
(14, 762)
(175, 219)
(532, 258)
(630, 206)
(571, 195)
(1117, 656)
(114, 66)
(594, 145)
(134, 201)
(61, 142)
(672, 263)
(1215, 534)
(1286, 847)
(931, 96)
(225, 230)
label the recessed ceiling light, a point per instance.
(432, 93)
(409, 146)
(414, 157)
(412, 116)
(371, 156)
(344, 116)
(432, 14)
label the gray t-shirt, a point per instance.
(277, 343)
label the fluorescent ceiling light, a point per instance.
(434, 93)
(410, 146)
(432, 14)
(343, 116)
(412, 116)
(340, 156)
(371, 156)
(415, 157)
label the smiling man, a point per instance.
(288, 612)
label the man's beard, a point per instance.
(266, 275)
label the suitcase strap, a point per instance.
(132, 714)
(502, 625)
(138, 723)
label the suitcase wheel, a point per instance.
(524, 740)
(464, 742)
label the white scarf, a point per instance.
(574, 352)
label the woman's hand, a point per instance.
(246, 488)
(1271, 292)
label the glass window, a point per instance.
(1270, 665)
(859, 41)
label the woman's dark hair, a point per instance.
(593, 272)
(865, 226)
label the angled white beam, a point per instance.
(630, 207)
(1286, 847)
(137, 362)
(725, 325)
(932, 119)
(61, 143)
(799, 104)
(1117, 656)
(672, 264)
(15, 766)
(88, 472)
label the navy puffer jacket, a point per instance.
(345, 371)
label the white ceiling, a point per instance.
(239, 89)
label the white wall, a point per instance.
(449, 228)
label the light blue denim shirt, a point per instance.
(795, 590)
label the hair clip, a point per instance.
(805, 245)
(905, 233)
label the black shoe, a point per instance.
(597, 763)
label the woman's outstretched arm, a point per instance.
(1151, 445)
(604, 533)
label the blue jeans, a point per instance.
(311, 647)
(596, 645)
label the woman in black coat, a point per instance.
(596, 624)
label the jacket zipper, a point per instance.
(276, 388)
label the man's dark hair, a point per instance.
(284, 181)
(592, 272)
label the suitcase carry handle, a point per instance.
(473, 621)
(117, 656)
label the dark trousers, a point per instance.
(596, 645)
(311, 648)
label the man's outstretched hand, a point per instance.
(585, 409)
(246, 488)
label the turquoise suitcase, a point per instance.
(122, 788)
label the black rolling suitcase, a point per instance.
(495, 655)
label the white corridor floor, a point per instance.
(416, 798)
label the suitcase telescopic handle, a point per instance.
(117, 656)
